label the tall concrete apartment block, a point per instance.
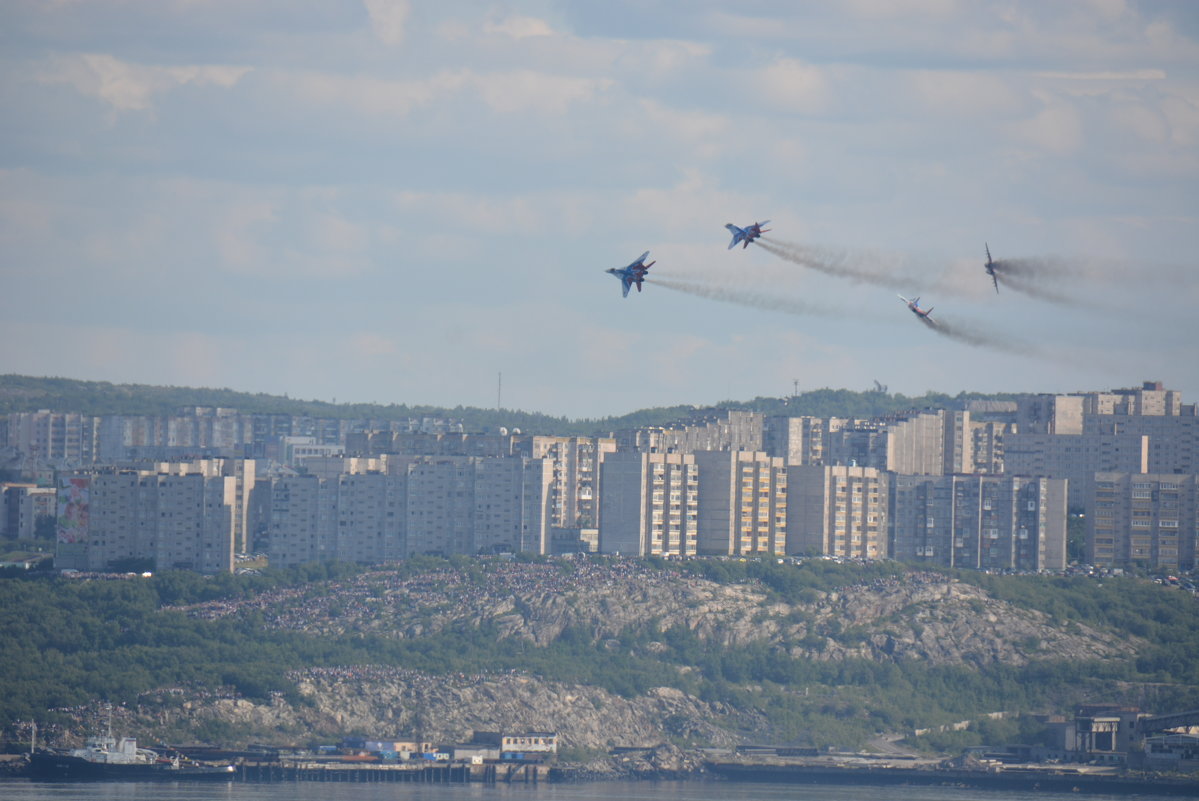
(979, 521)
(801, 440)
(1145, 519)
(180, 521)
(928, 443)
(837, 511)
(649, 504)
(420, 505)
(574, 463)
(303, 520)
(987, 441)
(244, 475)
(1140, 430)
(53, 438)
(742, 503)
(723, 430)
(22, 506)
(931, 444)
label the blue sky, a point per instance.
(366, 200)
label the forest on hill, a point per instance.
(627, 651)
(27, 394)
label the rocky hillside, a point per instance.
(927, 617)
(606, 652)
(386, 702)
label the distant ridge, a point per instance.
(19, 393)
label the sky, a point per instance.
(396, 201)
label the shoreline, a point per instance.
(1028, 778)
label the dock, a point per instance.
(424, 773)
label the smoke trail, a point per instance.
(861, 267)
(1044, 267)
(1027, 287)
(742, 297)
(979, 338)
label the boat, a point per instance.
(105, 757)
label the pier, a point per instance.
(431, 773)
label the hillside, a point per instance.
(20, 393)
(606, 652)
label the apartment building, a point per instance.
(179, 521)
(53, 438)
(932, 444)
(1075, 458)
(837, 511)
(801, 440)
(926, 443)
(422, 443)
(574, 463)
(717, 430)
(1139, 430)
(649, 504)
(988, 444)
(417, 505)
(1143, 520)
(244, 473)
(742, 507)
(979, 522)
(303, 520)
(22, 506)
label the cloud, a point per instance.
(369, 95)
(520, 27)
(793, 85)
(131, 87)
(388, 19)
(965, 93)
(478, 213)
(528, 90)
(1106, 75)
(508, 92)
(1056, 130)
(886, 10)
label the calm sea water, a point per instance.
(23, 790)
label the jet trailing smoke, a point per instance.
(742, 297)
(1028, 276)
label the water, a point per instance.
(24, 790)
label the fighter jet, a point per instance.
(747, 234)
(990, 268)
(914, 305)
(633, 274)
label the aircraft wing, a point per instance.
(995, 280)
(625, 283)
(640, 261)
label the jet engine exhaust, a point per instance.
(978, 338)
(841, 264)
(741, 297)
(1028, 275)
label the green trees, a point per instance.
(66, 642)
(26, 393)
